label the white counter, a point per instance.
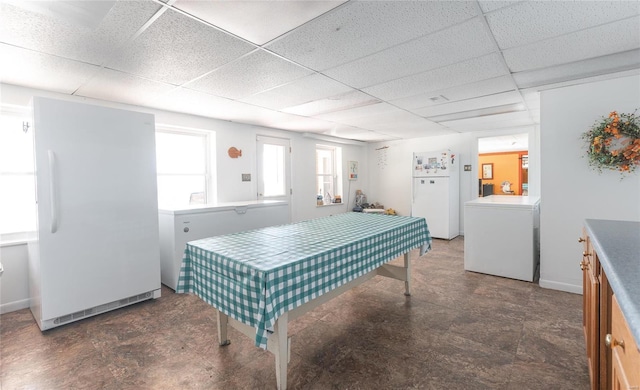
(180, 225)
(501, 236)
(220, 206)
(505, 201)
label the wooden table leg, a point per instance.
(282, 350)
(223, 320)
(407, 283)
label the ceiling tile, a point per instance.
(301, 123)
(202, 104)
(358, 112)
(303, 90)
(461, 73)
(121, 87)
(355, 133)
(490, 122)
(445, 47)
(406, 133)
(253, 73)
(480, 112)
(492, 5)
(397, 119)
(256, 21)
(531, 21)
(197, 103)
(595, 42)
(470, 104)
(377, 117)
(32, 69)
(64, 38)
(262, 117)
(359, 28)
(345, 131)
(333, 103)
(466, 91)
(87, 14)
(176, 49)
(579, 70)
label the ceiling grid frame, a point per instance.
(402, 111)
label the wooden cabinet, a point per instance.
(612, 353)
(591, 310)
(625, 365)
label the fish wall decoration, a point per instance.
(234, 152)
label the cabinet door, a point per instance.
(590, 313)
(625, 355)
(593, 345)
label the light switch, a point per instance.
(467, 167)
(246, 177)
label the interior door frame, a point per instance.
(271, 140)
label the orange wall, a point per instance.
(506, 167)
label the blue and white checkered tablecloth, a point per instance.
(257, 275)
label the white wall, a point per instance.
(14, 282)
(390, 166)
(230, 187)
(571, 192)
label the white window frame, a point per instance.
(336, 174)
(209, 145)
(19, 112)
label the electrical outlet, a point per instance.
(467, 167)
(246, 177)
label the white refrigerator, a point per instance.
(97, 245)
(436, 192)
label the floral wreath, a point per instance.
(614, 143)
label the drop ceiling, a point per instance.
(364, 70)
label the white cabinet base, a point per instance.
(501, 236)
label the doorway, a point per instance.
(503, 165)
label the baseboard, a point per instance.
(553, 285)
(13, 306)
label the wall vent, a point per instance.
(102, 308)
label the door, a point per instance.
(430, 200)
(274, 168)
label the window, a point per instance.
(328, 172)
(273, 171)
(17, 181)
(182, 163)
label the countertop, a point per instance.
(618, 246)
(504, 200)
(203, 208)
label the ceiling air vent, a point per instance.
(438, 99)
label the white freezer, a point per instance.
(501, 236)
(97, 227)
(181, 225)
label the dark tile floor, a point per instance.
(458, 330)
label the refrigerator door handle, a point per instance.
(52, 191)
